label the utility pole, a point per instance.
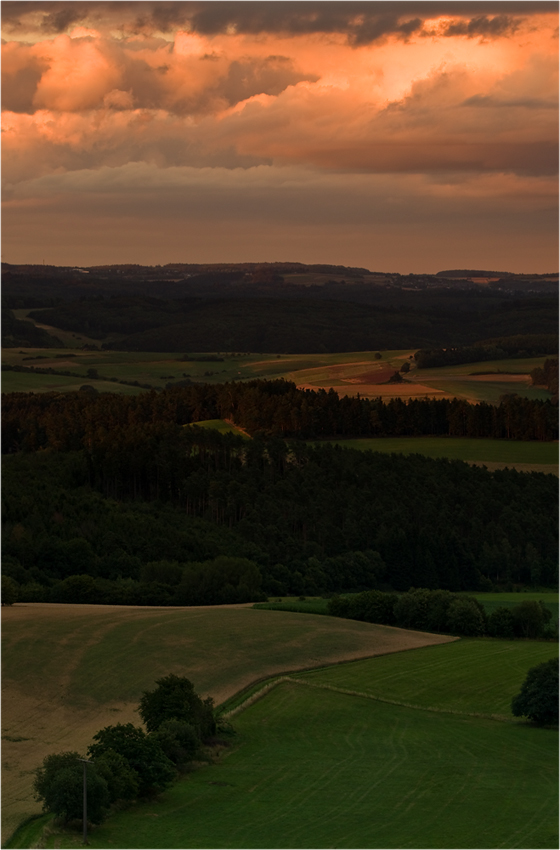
(85, 762)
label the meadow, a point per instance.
(473, 449)
(337, 757)
(69, 670)
(348, 374)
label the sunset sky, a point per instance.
(399, 136)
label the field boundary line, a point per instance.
(499, 717)
(254, 697)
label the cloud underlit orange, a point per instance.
(353, 123)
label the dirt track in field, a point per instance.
(51, 654)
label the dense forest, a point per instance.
(520, 345)
(16, 332)
(276, 408)
(311, 320)
(111, 498)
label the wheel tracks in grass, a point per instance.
(261, 692)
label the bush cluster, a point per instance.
(221, 581)
(124, 761)
(538, 697)
(443, 611)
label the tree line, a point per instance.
(275, 408)
(443, 611)
(124, 762)
(527, 345)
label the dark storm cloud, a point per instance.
(489, 102)
(19, 87)
(362, 22)
(484, 26)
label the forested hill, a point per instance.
(396, 319)
(160, 514)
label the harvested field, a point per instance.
(70, 670)
(377, 376)
(385, 391)
(501, 377)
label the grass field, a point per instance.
(541, 457)
(316, 765)
(222, 427)
(69, 670)
(489, 391)
(471, 675)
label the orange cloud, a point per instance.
(344, 99)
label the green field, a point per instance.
(316, 765)
(222, 427)
(470, 675)
(489, 391)
(461, 448)
(69, 670)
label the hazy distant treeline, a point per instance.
(294, 319)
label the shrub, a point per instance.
(175, 699)
(178, 740)
(438, 610)
(339, 606)
(374, 606)
(464, 617)
(538, 697)
(143, 754)
(411, 610)
(122, 780)
(530, 619)
(59, 784)
(10, 590)
(500, 623)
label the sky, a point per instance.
(396, 136)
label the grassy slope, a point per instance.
(319, 768)
(469, 675)
(222, 427)
(69, 670)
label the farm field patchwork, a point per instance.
(319, 768)
(69, 670)
(347, 373)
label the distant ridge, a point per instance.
(472, 273)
